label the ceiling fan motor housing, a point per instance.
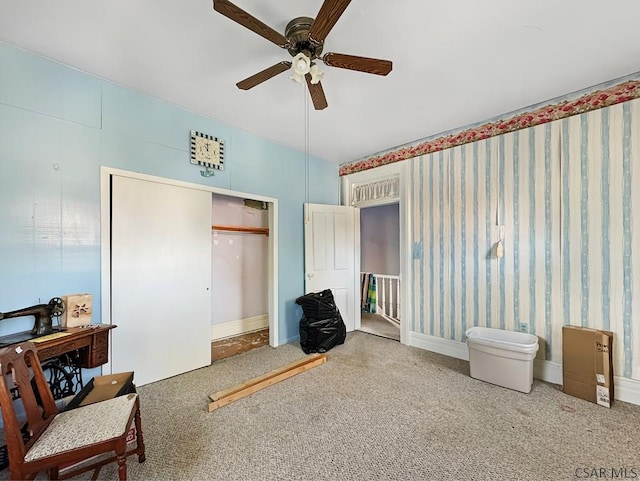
(297, 33)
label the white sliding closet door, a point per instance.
(160, 278)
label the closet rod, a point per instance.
(249, 230)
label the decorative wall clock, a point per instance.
(207, 151)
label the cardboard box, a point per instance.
(77, 310)
(101, 388)
(587, 364)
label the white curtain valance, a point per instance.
(383, 189)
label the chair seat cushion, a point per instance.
(86, 425)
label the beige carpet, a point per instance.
(378, 325)
(377, 410)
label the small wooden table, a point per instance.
(92, 343)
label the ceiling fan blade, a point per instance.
(327, 17)
(362, 64)
(266, 74)
(317, 94)
(235, 13)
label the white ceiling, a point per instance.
(455, 62)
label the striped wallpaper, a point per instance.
(563, 192)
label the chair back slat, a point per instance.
(64, 443)
(20, 365)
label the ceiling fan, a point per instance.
(304, 39)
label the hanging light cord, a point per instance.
(306, 141)
(306, 149)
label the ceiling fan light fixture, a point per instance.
(316, 74)
(297, 78)
(301, 64)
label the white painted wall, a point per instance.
(380, 239)
(239, 262)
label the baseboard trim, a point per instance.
(241, 326)
(447, 347)
(547, 371)
(626, 390)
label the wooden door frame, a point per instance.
(105, 242)
(396, 170)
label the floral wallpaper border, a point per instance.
(596, 100)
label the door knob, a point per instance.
(310, 275)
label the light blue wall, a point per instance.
(58, 126)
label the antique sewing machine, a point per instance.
(42, 313)
(62, 375)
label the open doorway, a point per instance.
(380, 270)
(383, 186)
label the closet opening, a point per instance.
(160, 287)
(239, 270)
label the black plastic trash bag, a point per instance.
(321, 326)
(318, 305)
(320, 335)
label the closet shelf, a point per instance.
(248, 230)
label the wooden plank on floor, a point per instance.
(227, 396)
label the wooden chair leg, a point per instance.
(122, 467)
(16, 473)
(20, 474)
(53, 473)
(140, 448)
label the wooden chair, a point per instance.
(55, 440)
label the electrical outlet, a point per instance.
(524, 327)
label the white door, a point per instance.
(160, 278)
(331, 237)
